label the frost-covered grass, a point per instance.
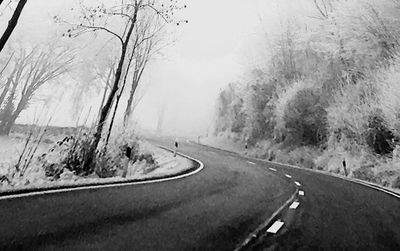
(35, 176)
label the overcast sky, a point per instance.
(214, 48)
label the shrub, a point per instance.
(366, 173)
(150, 162)
(107, 165)
(396, 182)
(76, 152)
(69, 153)
(305, 118)
(378, 136)
(53, 170)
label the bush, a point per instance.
(106, 166)
(53, 170)
(69, 153)
(150, 162)
(378, 136)
(366, 173)
(396, 182)
(305, 118)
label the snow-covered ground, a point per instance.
(11, 147)
(166, 162)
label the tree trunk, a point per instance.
(6, 125)
(136, 78)
(119, 97)
(88, 165)
(5, 91)
(12, 23)
(102, 101)
(113, 116)
(128, 109)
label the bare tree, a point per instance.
(100, 18)
(150, 28)
(324, 7)
(105, 76)
(12, 23)
(7, 83)
(30, 72)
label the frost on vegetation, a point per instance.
(325, 95)
(61, 163)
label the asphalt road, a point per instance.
(214, 209)
(336, 214)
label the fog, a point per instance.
(214, 48)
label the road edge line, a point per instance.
(255, 234)
(354, 180)
(88, 186)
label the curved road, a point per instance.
(215, 209)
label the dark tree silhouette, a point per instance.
(98, 18)
(30, 72)
(12, 23)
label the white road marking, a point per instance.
(275, 227)
(272, 169)
(361, 182)
(301, 193)
(297, 183)
(294, 205)
(287, 175)
(251, 162)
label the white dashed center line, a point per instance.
(251, 162)
(297, 183)
(294, 205)
(287, 175)
(272, 169)
(301, 193)
(275, 227)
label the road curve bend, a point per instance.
(214, 209)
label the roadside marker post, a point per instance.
(176, 147)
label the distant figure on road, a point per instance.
(176, 147)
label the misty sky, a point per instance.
(220, 41)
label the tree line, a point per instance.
(329, 83)
(132, 33)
